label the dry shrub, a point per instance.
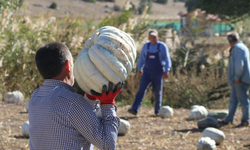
(185, 90)
(20, 38)
(186, 86)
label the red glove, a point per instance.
(108, 95)
(91, 97)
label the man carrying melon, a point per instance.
(62, 119)
(153, 65)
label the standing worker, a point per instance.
(153, 65)
(238, 79)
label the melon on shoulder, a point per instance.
(108, 56)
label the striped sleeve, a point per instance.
(93, 103)
(101, 133)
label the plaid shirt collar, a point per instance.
(52, 82)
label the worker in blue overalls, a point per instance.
(153, 65)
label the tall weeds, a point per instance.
(20, 38)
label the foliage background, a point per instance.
(189, 84)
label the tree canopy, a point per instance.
(191, 4)
(161, 1)
(224, 8)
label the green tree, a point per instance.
(192, 4)
(144, 3)
(107, 0)
(53, 5)
(161, 1)
(92, 1)
(230, 9)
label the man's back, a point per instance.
(51, 126)
(239, 65)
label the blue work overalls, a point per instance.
(152, 73)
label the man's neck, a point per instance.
(64, 79)
(153, 43)
(233, 43)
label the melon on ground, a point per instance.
(207, 122)
(217, 135)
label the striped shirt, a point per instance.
(62, 119)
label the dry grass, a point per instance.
(147, 132)
(95, 11)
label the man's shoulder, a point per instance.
(162, 46)
(241, 46)
(66, 93)
(65, 97)
(161, 43)
(147, 43)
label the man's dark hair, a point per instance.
(233, 36)
(51, 58)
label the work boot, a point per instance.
(223, 123)
(242, 124)
(132, 111)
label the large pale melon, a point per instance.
(166, 112)
(108, 56)
(197, 112)
(124, 127)
(25, 129)
(217, 135)
(14, 97)
(206, 143)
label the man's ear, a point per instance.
(67, 65)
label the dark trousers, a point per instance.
(157, 82)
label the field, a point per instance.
(199, 73)
(147, 132)
(96, 11)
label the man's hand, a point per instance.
(108, 94)
(140, 73)
(165, 75)
(237, 81)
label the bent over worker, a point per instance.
(153, 65)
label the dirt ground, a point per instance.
(147, 132)
(96, 11)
